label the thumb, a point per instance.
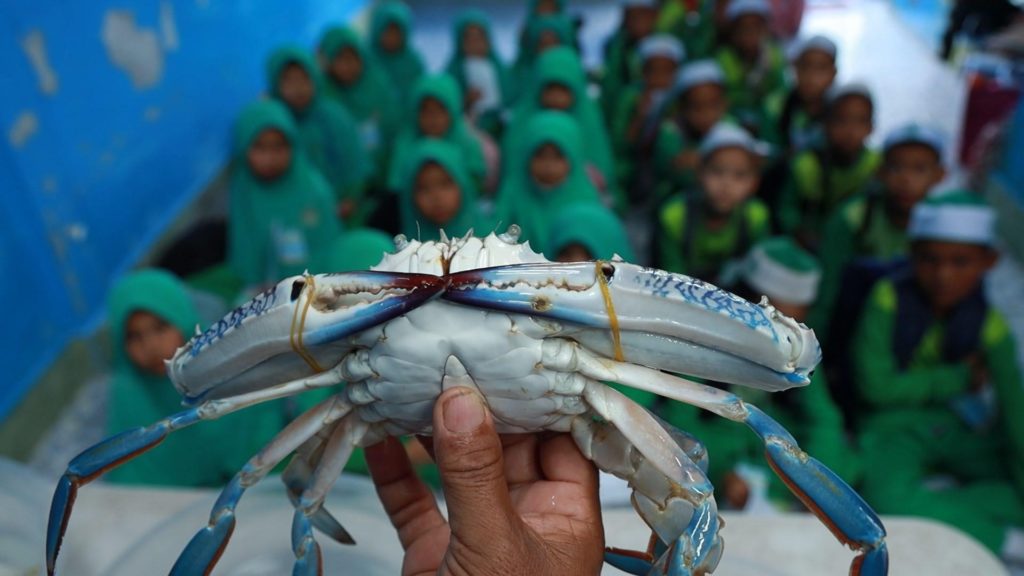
(469, 456)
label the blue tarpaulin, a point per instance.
(114, 116)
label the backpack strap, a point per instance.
(962, 334)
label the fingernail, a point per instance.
(463, 413)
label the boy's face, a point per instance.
(748, 34)
(346, 66)
(703, 107)
(574, 252)
(149, 340)
(556, 97)
(639, 21)
(948, 272)
(437, 195)
(269, 155)
(434, 119)
(728, 177)
(659, 72)
(474, 42)
(815, 72)
(848, 125)
(548, 166)
(909, 172)
(392, 39)
(295, 87)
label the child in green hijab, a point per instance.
(150, 315)
(559, 83)
(436, 112)
(282, 211)
(546, 174)
(540, 35)
(475, 65)
(328, 133)
(358, 82)
(437, 192)
(390, 42)
(586, 231)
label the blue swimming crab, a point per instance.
(538, 340)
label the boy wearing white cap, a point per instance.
(796, 117)
(753, 63)
(620, 70)
(869, 231)
(824, 176)
(788, 276)
(940, 382)
(704, 229)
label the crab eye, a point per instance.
(608, 271)
(297, 288)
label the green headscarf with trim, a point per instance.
(443, 88)
(457, 63)
(329, 134)
(206, 454)
(562, 66)
(281, 227)
(591, 225)
(406, 66)
(524, 202)
(446, 155)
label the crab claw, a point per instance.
(656, 318)
(299, 327)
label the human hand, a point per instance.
(522, 504)
(736, 491)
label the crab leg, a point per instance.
(205, 548)
(841, 509)
(118, 449)
(671, 492)
(296, 478)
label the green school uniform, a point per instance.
(414, 224)
(328, 133)
(205, 454)
(370, 99)
(685, 245)
(282, 227)
(406, 66)
(816, 187)
(748, 86)
(593, 226)
(521, 200)
(859, 228)
(444, 89)
(911, 431)
(562, 66)
(789, 125)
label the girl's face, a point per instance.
(574, 252)
(436, 195)
(269, 155)
(815, 72)
(547, 39)
(296, 87)
(556, 97)
(346, 67)
(391, 39)
(474, 42)
(703, 106)
(434, 119)
(545, 7)
(659, 72)
(728, 177)
(748, 34)
(548, 166)
(149, 340)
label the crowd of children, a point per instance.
(732, 160)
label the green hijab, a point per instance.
(523, 69)
(328, 133)
(370, 98)
(562, 65)
(414, 225)
(206, 454)
(277, 228)
(444, 89)
(406, 66)
(521, 200)
(593, 226)
(358, 250)
(457, 63)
